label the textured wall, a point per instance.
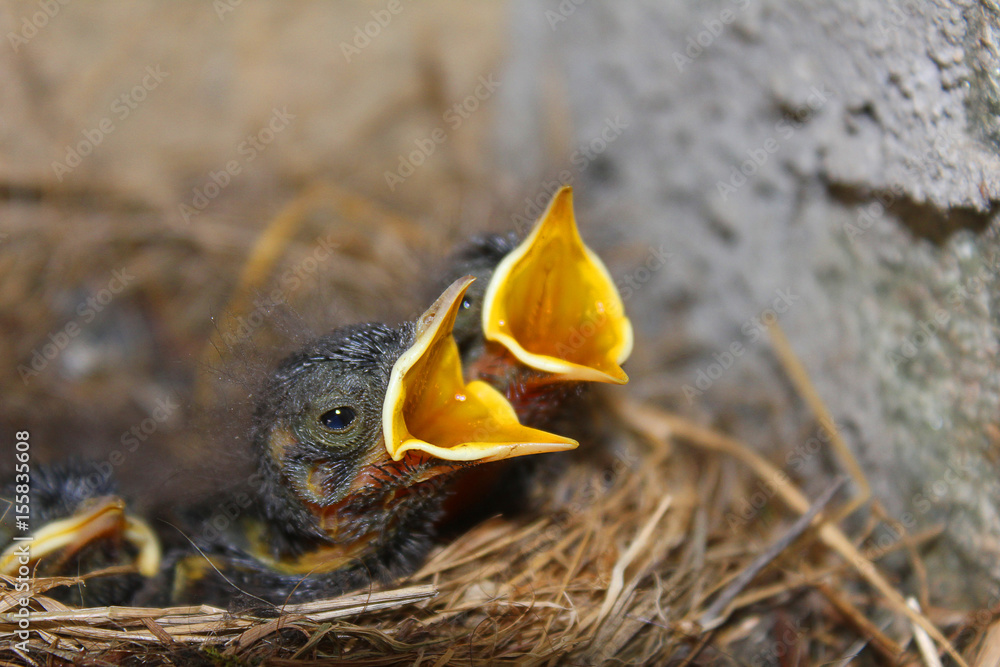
(833, 161)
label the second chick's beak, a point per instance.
(96, 520)
(81, 526)
(553, 304)
(543, 316)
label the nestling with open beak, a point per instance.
(543, 319)
(543, 315)
(356, 438)
(81, 525)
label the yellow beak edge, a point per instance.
(429, 407)
(553, 304)
(103, 516)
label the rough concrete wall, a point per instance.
(836, 161)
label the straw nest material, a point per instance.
(683, 546)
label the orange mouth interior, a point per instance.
(554, 305)
(429, 407)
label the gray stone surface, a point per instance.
(867, 136)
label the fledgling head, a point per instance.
(355, 435)
(478, 258)
(79, 525)
(353, 427)
(319, 422)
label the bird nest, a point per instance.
(642, 562)
(683, 545)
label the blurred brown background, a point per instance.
(834, 167)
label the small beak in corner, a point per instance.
(102, 517)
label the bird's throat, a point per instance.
(384, 498)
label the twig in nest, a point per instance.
(618, 573)
(924, 642)
(890, 649)
(989, 650)
(656, 424)
(204, 624)
(800, 378)
(157, 630)
(713, 616)
(699, 647)
(855, 649)
(905, 542)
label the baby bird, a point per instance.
(82, 527)
(350, 494)
(356, 439)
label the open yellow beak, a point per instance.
(104, 517)
(429, 407)
(553, 303)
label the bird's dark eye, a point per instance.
(337, 419)
(466, 303)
